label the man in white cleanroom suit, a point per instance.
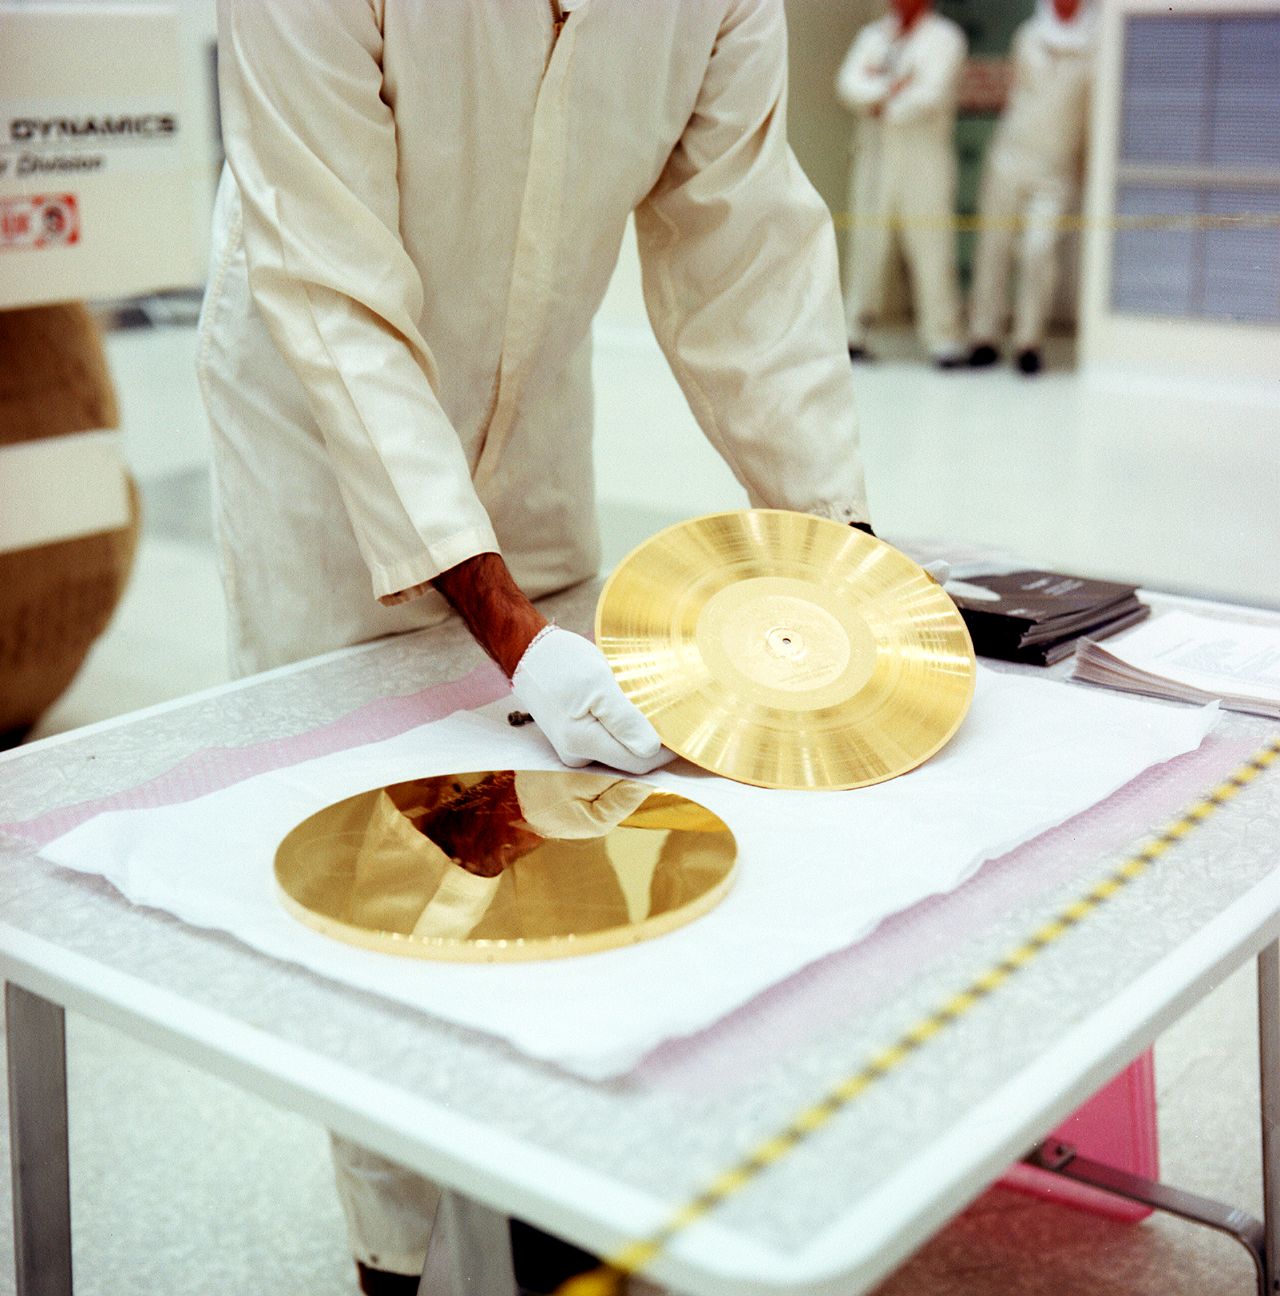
(423, 208)
(1031, 178)
(900, 78)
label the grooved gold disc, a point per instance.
(786, 650)
(505, 865)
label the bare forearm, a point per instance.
(485, 595)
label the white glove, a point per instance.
(565, 684)
(938, 570)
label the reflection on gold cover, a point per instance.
(786, 650)
(505, 865)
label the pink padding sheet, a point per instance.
(213, 768)
(819, 999)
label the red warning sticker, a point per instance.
(39, 221)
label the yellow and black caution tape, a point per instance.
(1068, 223)
(608, 1279)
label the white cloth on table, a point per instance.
(817, 870)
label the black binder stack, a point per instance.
(1037, 616)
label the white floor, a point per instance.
(184, 1184)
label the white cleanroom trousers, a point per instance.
(1021, 216)
(389, 1210)
(907, 195)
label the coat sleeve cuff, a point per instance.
(849, 511)
(853, 511)
(411, 576)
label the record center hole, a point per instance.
(784, 642)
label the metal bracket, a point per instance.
(1061, 1159)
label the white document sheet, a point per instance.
(1209, 654)
(817, 870)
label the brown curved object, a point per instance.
(54, 599)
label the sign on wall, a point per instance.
(103, 153)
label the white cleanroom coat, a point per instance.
(903, 179)
(1031, 178)
(423, 208)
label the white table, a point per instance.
(603, 1163)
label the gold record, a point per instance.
(505, 865)
(787, 651)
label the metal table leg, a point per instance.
(1269, 1069)
(469, 1253)
(36, 1031)
(1261, 1238)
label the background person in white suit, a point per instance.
(901, 77)
(1031, 178)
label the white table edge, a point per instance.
(487, 1165)
(1008, 1123)
(506, 1173)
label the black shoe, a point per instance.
(1029, 361)
(982, 355)
(947, 362)
(860, 355)
(543, 1262)
(381, 1282)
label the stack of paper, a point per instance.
(1192, 658)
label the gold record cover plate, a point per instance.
(505, 865)
(787, 651)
